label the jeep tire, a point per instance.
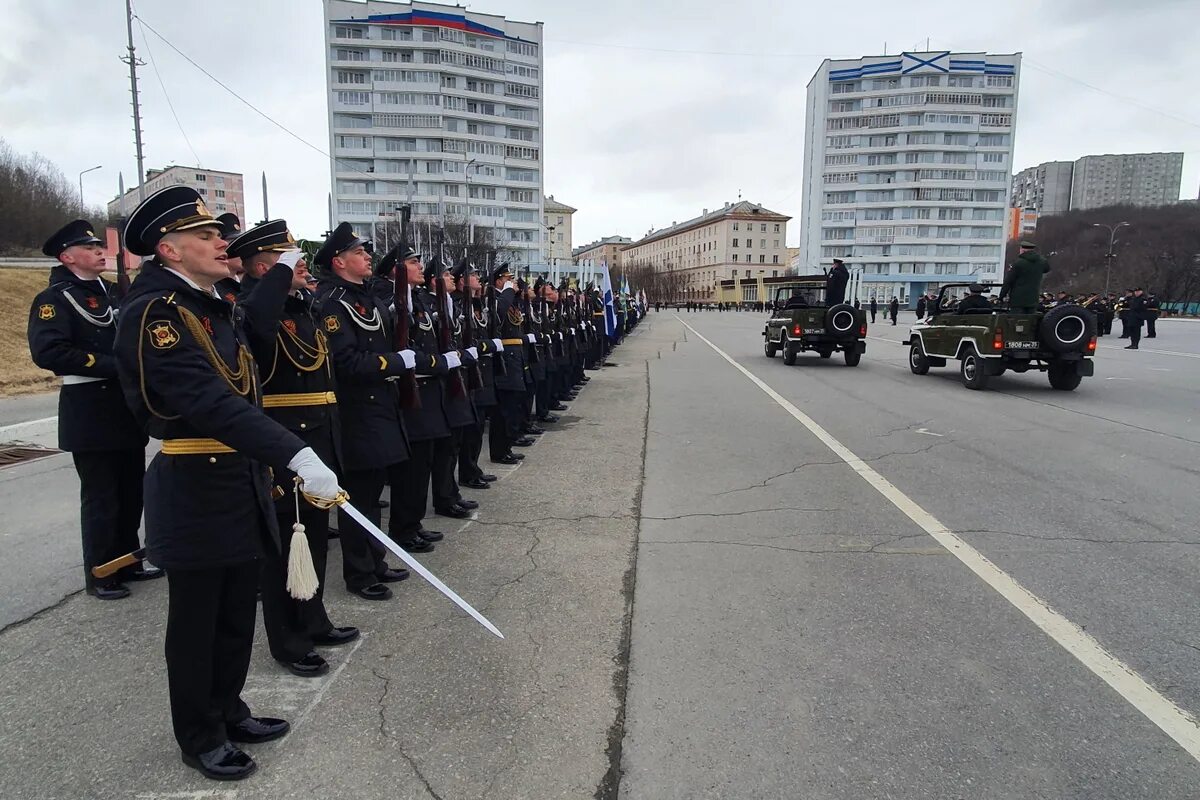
(769, 348)
(918, 362)
(789, 353)
(853, 356)
(1067, 329)
(841, 319)
(1063, 376)
(973, 370)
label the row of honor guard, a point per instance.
(259, 381)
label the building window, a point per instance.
(735, 255)
(201, 178)
(560, 220)
(777, 229)
(762, 243)
(735, 242)
(775, 272)
(763, 229)
(762, 259)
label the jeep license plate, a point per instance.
(1021, 345)
(814, 330)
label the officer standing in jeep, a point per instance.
(1023, 281)
(835, 283)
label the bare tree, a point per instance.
(36, 199)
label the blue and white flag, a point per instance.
(606, 291)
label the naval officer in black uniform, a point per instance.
(358, 323)
(188, 376)
(298, 393)
(72, 327)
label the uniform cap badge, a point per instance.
(332, 323)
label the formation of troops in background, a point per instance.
(272, 392)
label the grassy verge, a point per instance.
(18, 374)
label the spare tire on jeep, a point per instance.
(1067, 329)
(840, 319)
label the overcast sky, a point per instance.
(635, 137)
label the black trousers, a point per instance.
(210, 631)
(445, 458)
(1150, 332)
(291, 624)
(542, 394)
(1135, 332)
(362, 556)
(498, 441)
(110, 505)
(1125, 327)
(410, 493)
(470, 448)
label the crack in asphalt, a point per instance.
(873, 459)
(412, 763)
(841, 551)
(30, 618)
(1087, 539)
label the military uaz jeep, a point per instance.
(803, 322)
(989, 341)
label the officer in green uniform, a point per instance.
(1023, 281)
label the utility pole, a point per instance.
(133, 62)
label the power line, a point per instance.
(341, 164)
(1094, 88)
(167, 94)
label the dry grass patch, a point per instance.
(18, 374)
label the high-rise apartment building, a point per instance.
(907, 167)
(222, 191)
(1138, 179)
(439, 108)
(1045, 188)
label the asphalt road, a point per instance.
(797, 634)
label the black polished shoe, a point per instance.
(517, 456)
(613, 363)
(558, 407)
(585, 379)
(455, 512)
(143, 573)
(224, 763)
(430, 536)
(475, 483)
(393, 575)
(310, 665)
(568, 397)
(524, 441)
(507, 458)
(534, 430)
(376, 591)
(336, 636)
(417, 545)
(549, 419)
(469, 505)
(256, 730)
(110, 591)
(487, 476)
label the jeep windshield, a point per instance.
(806, 296)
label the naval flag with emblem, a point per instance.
(606, 291)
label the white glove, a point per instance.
(291, 258)
(508, 285)
(498, 345)
(410, 358)
(474, 352)
(315, 478)
(560, 336)
(532, 337)
(452, 359)
(572, 331)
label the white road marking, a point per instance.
(1161, 369)
(1172, 719)
(198, 794)
(24, 427)
(929, 433)
(1118, 379)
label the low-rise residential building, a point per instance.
(222, 191)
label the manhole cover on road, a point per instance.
(13, 454)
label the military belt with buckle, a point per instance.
(299, 399)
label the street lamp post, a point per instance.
(1108, 258)
(85, 172)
